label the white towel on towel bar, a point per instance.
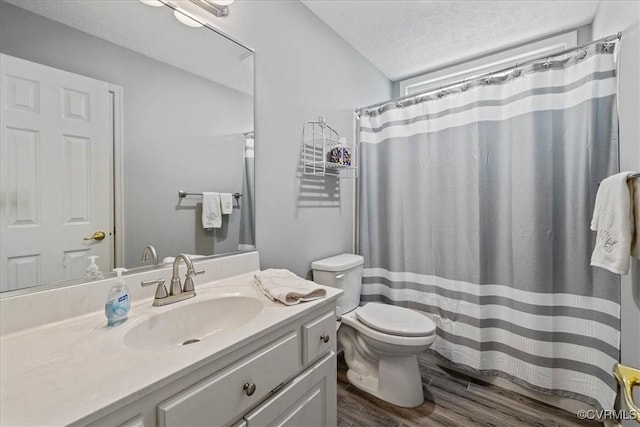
(211, 212)
(226, 199)
(286, 287)
(613, 222)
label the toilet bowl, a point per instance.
(380, 342)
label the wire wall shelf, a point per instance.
(325, 153)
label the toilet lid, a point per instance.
(395, 320)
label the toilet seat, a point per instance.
(394, 320)
(351, 319)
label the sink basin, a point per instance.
(190, 323)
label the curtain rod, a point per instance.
(459, 82)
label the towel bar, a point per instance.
(631, 176)
(183, 194)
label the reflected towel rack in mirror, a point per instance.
(183, 194)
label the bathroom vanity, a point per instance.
(229, 356)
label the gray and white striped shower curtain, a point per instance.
(475, 207)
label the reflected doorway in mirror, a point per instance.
(57, 161)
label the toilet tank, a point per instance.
(344, 272)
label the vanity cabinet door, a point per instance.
(225, 396)
(318, 337)
(309, 400)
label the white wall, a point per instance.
(303, 69)
(611, 17)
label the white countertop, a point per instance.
(63, 372)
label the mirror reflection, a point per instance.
(109, 109)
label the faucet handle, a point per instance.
(188, 280)
(161, 290)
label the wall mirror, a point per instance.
(109, 109)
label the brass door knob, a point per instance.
(98, 235)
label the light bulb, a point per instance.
(223, 2)
(154, 3)
(186, 20)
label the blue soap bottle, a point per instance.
(118, 301)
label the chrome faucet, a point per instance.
(177, 292)
(149, 250)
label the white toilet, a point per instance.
(381, 342)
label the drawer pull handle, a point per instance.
(249, 388)
(324, 338)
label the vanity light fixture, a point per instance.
(218, 8)
(154, 3)
(186, 19)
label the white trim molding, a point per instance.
(496, 61)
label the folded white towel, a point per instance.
(211, 215)
(284, 286)
(226, 199)
(634, 190)
(613, 222)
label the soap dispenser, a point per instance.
(118, 302)
(93, 271)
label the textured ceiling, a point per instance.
(404, 38)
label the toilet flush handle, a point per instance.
(339, 276)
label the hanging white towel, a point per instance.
(634, 190)
(613, 222)
(286, 287)
(211, 212)
(226, 199)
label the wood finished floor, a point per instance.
(451, 399)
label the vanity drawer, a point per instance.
(137, 421)
(318, 337)
(309, 400)
(222, 397)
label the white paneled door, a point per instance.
(56, 173)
